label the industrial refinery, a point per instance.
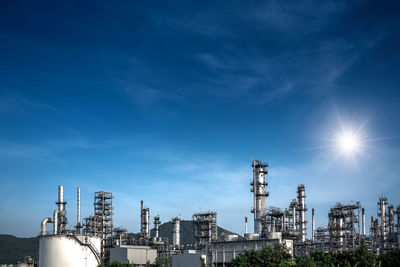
(94, 240)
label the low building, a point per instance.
(133, 254)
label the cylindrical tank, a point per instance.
(176, 231)
(69, 251)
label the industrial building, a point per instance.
(96, 241)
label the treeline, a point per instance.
(166, 262)
(277, 256)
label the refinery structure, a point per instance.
(94, 240)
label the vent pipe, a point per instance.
(312, 225)
(78, 207)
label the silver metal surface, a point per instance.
(45, 221)
(176, 232)
(301, 196)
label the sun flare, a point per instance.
(348, 142)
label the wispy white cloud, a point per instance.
(15, 103)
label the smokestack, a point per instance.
(313, 224)
(60, 201)
(245, 225)
(363, 221)
(78, 213)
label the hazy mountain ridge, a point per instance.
(14, 249)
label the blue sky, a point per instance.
(168, 101)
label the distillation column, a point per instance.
(398, 226)
(391, 219)
(293, 206)
(301, 199)
(382, 209)
(157, 223)
(258, 188)
(144, 221)
(176, 232)
(363, 222)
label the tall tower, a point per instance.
(60, 215)
(205, 228)
(157, 223)
(301, 201)
(176, 232)
(103, 212)
(258, 188)
(144, 221)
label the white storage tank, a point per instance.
(69, 251)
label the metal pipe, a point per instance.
(363, 221)
(61, 202)
(44, 225)
(55, 222)
(245, 225)
(78, 214)
(313, 224)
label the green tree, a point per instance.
(267, 256)
(202, 262)
(305, 261)
(389, 259)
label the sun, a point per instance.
(348, 142)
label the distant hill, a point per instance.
(13, 249)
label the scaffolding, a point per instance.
(103, 212)
(205, 229)
(344, 226)
(120, 236)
